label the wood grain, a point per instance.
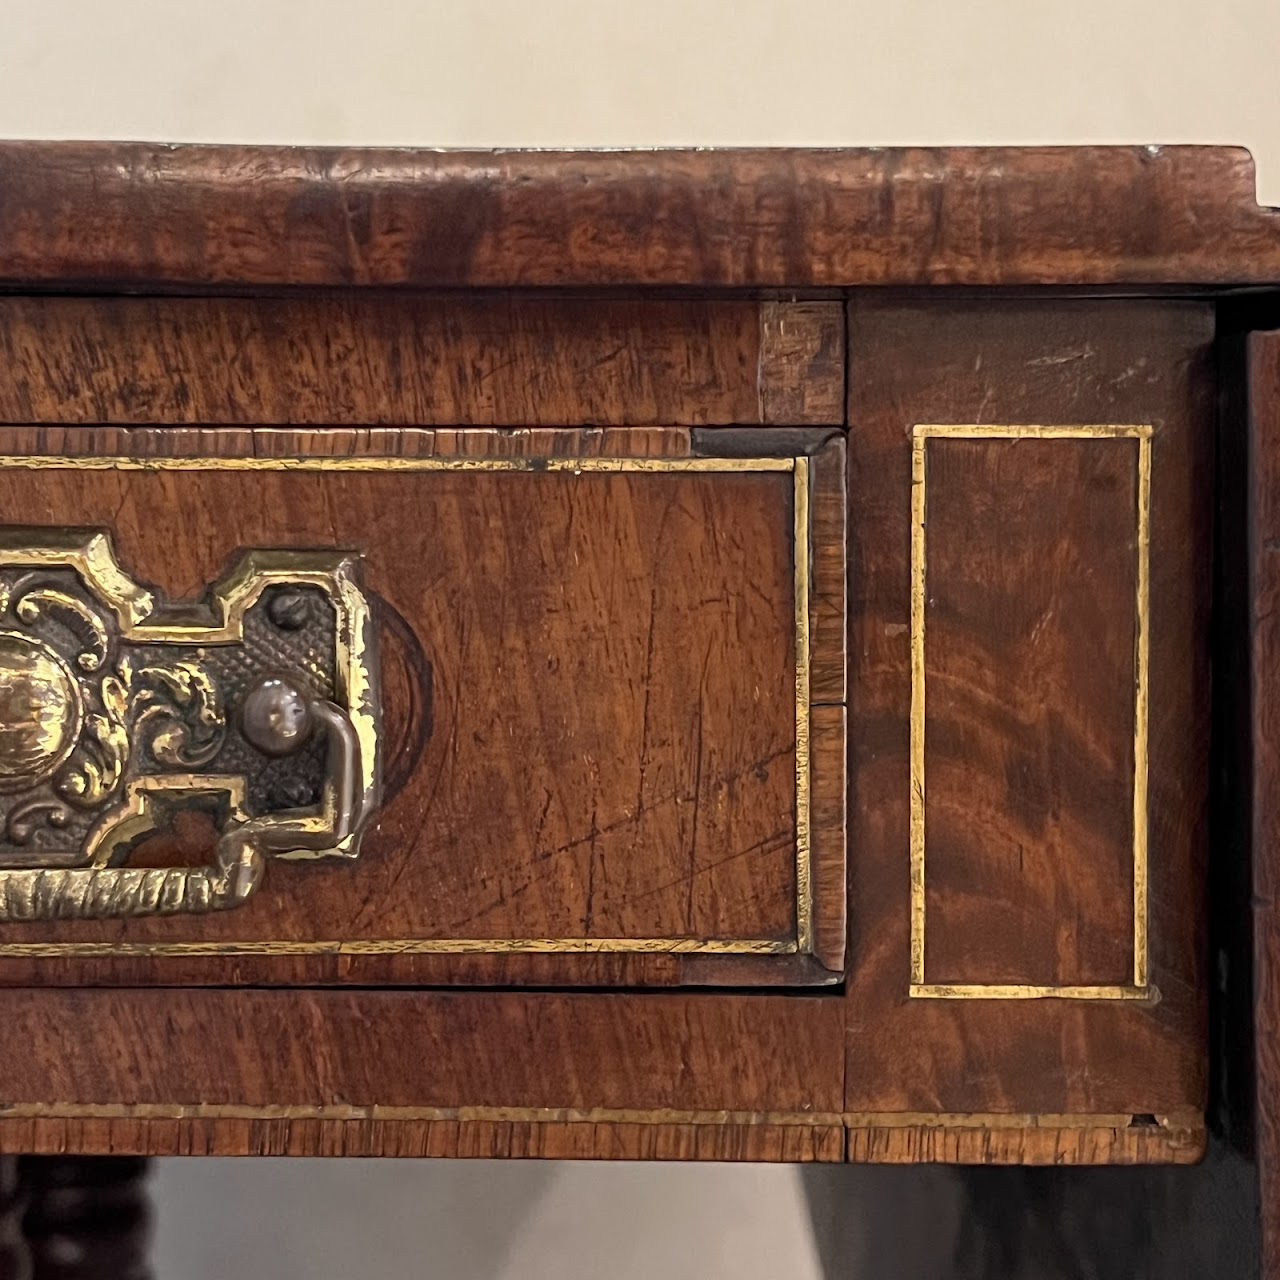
(1027, 362)
(829, 746)
(802, 362)
(828, 540)
(654, 1060)
(828, 728)
(1036, 1143)
(1033, 1143)
(1264, 551)
(589, 774)
(470, 1139)
(412, 359)
(147, 216)
(1029, 730)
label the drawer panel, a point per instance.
(611, 738)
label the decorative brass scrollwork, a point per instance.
(257, 706)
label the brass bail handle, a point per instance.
(277, 717)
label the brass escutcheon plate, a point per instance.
(116, 708)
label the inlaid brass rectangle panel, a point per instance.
(802, 941)
(920, 985)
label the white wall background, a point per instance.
(598, 73)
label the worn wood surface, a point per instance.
(87, 1219)
(802, 362)
(102, 215)
(1028, 362)
(384, 358)
(562, 762)
(1264, 535)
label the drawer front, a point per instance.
(594, 679)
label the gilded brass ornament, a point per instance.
(111, 717)
(40, 711)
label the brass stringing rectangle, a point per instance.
(802, 943)
(920, 987)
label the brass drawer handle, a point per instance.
(114, 714)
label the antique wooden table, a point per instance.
(761, 655)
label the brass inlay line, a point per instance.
(1025, 991)
(343, 1113)
(85, 462)
(1142, 647)
(981, 431)
(919, 987)
(134, 606)
(414, 947)
(803, 546)
(917, 708)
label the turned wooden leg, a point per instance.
(86, 1218)
(15, 1259)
